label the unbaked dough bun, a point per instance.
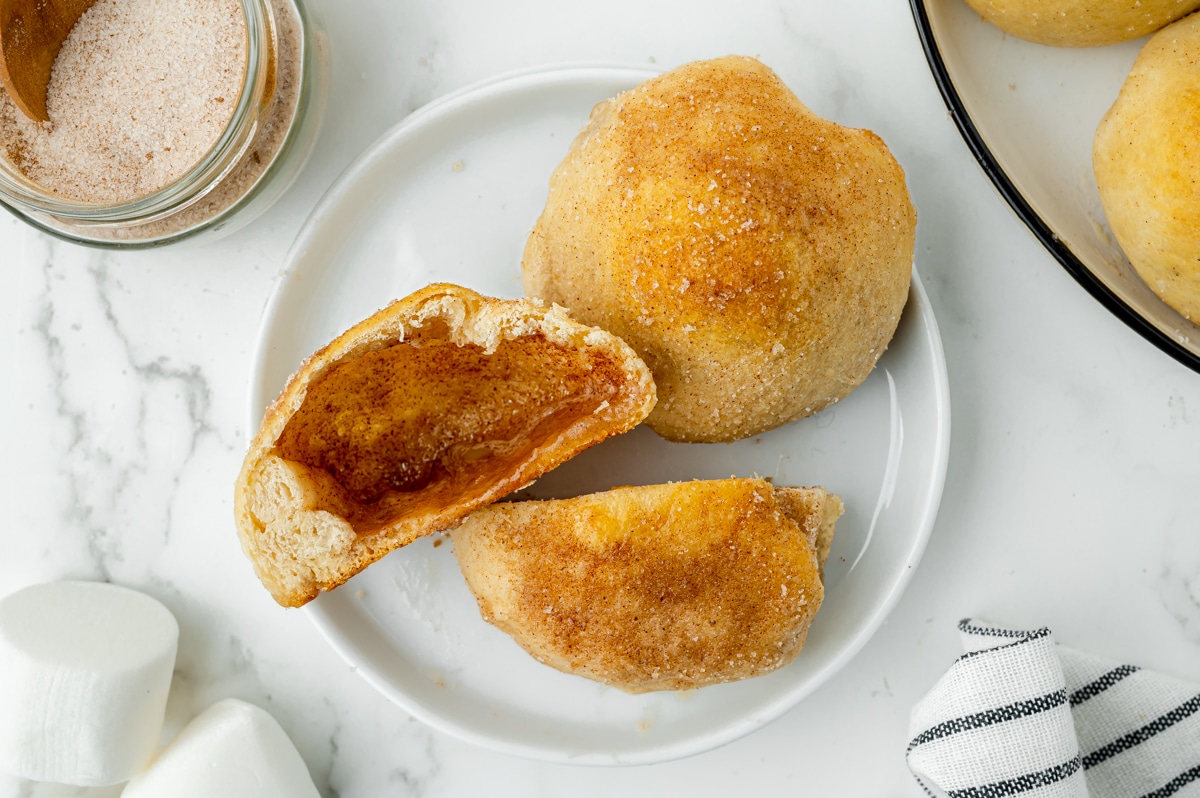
(1081, 23)
(754, 254)
(1146, 156)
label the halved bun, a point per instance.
(664, 587)
(440, 403)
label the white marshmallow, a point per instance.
(230, 750)
(84, 672)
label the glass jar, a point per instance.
(256, 158)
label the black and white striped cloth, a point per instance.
(1019, 715)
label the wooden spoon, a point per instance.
(31, 34)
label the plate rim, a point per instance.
(320, 612)
(1039, 227)
(419, 116)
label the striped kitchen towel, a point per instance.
(1019, 715)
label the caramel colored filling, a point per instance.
(420, 424)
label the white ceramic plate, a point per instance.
(1029, 112)
(450, 194)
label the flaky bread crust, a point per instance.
(322, 491)
(757, 256)
(663, 587)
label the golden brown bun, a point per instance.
(665, 587)
(755, 255)
(1081, 23)
(1146, 156)
(440, 403)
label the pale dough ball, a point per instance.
(754, 254)
(1081, 23)
(1146, 156)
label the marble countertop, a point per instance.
(1070, 501)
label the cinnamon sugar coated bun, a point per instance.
(662, 587)
(436, 405)
(755, 255)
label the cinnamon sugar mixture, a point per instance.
(141, 91)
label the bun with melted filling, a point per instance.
(436, 405)
(664, 587)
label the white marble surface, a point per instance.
(1071, 499)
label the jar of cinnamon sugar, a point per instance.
(169, 119)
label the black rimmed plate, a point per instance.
(1028, 113)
